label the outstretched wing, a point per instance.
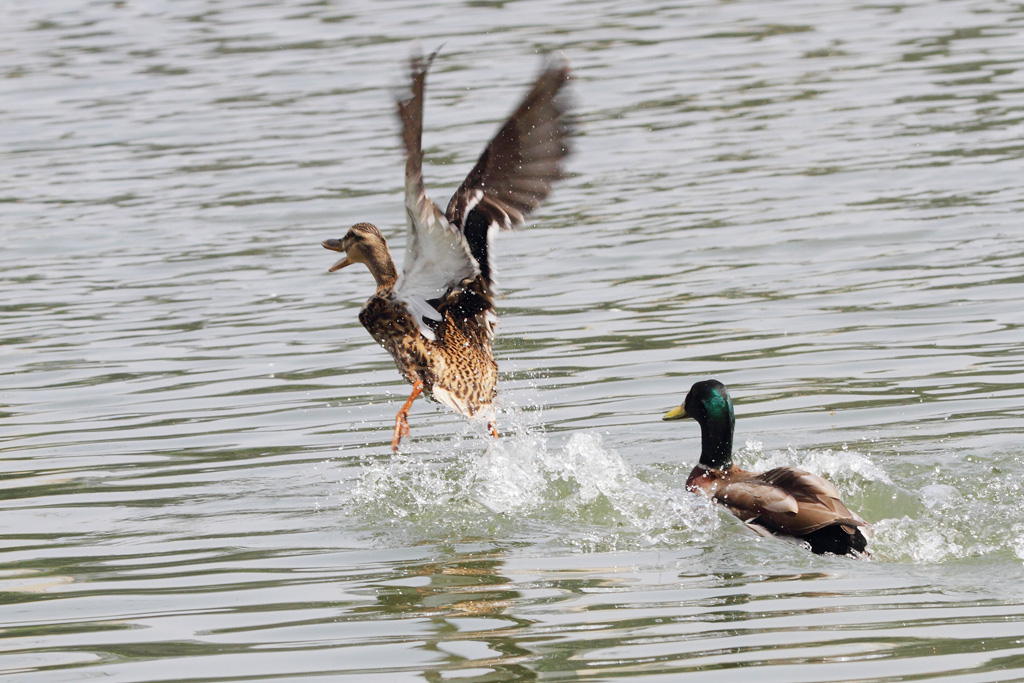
(517, 169)
(437, 257)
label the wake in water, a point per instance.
(578, 492)
(945, 517)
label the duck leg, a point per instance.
(494, 429)
(402, 419)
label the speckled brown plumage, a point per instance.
(456, 368)
(437, 320)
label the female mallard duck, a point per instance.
(784, 501)
(437, 319)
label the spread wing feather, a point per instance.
(437, 255)
(516, 171)
(512, 177)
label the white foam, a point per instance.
(915, 540)
(1017, 542)
(575, 491)
(522, 481)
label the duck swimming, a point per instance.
(437, 318)
(784, 501)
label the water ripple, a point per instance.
(817, 204)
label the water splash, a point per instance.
(921, 541)
(849, 470)
(582, 494)
(579, 492)
(928, 525)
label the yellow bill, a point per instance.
(677, 413)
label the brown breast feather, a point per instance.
(457, 368)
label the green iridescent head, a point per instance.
(708, 403)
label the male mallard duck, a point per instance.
(784, 501)
(437, 319)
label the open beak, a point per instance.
(335, 245)
(677, 413)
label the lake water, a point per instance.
(819, 204)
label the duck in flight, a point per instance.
(784, 501)
(437, 318)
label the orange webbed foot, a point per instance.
(401, 429)
(402, 419)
